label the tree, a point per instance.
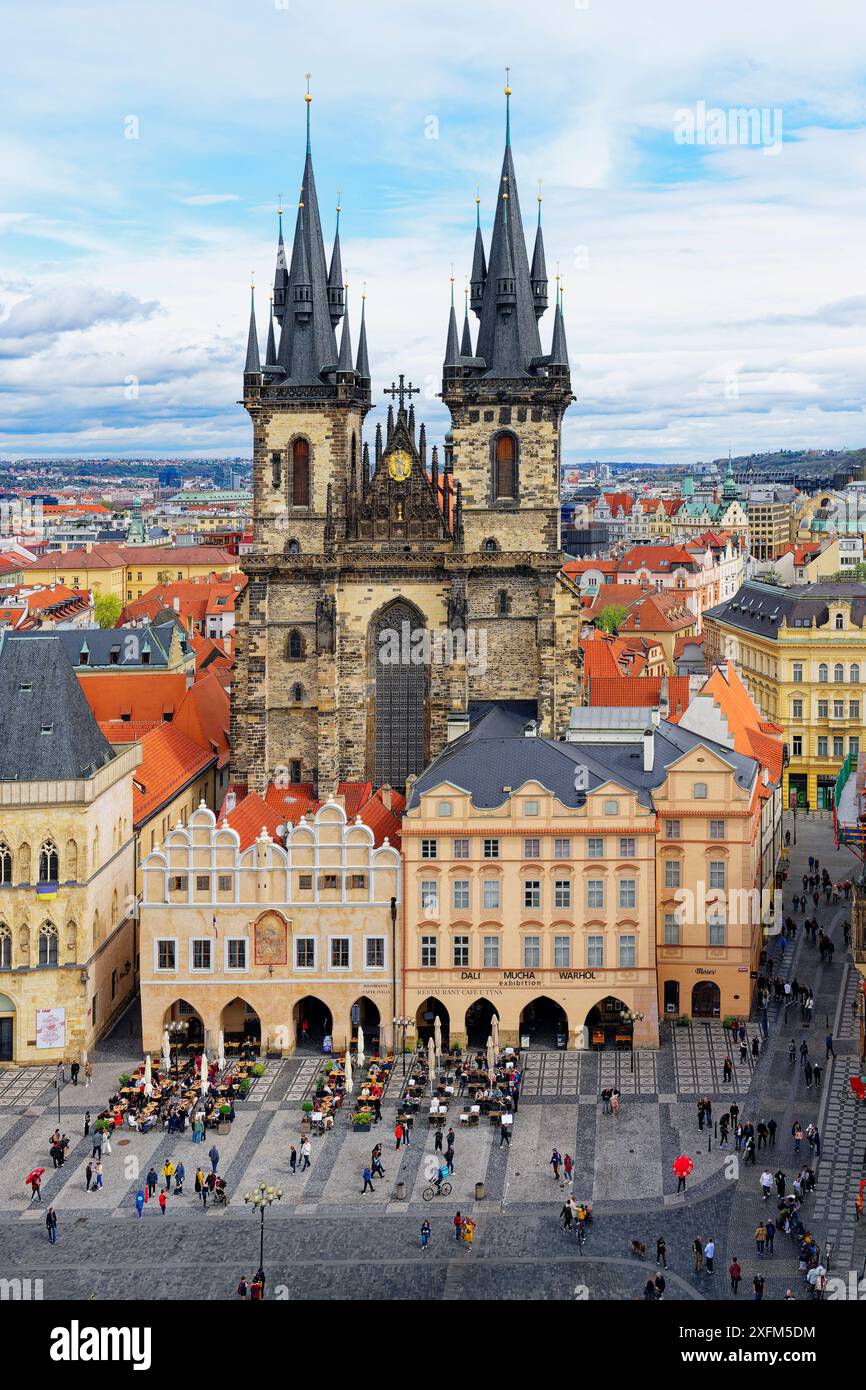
(611, 618)
(107, 609)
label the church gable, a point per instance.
(401, 502)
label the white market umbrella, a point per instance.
(350, 1080)
(437, 1035)
(221, 1055)
(166, 1052)
(431, 1061)
(490, 1055)
(148, 1072)
(494, 1032)
(203, 1074)
(360, 1047)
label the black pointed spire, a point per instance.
(377, 452)
(508, 338)
(307, 344)
(559, 347)
(452, 343)
(365, 467)
(271, 350)
(479, 264)
(281, 274)
(466, 340)
(538, 272)
(389, 430)
(336, 293)
(362, 362)
(345, 362)
(422, 444)
(252, 366)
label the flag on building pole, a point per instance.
(213, 922)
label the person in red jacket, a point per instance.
(398, 1134)
(162, 1202)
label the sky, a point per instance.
(713, 271)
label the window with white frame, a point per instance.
(460, 946)
(166, 954)
(672, 929)
(224, 883)
(444, 808)
(562, 892)
(562, 952)
(562, 847)
(717, 829)
(699, 791)
(428, 849)
(718, 873)
(340, 952)
(594, 847)
(531, 808)
(716, 928)
(374, 952)
(490, 945)
(628, 892)
(305, 952)
(595, 952)
(490, 892)
(673, 873)
(627, 847)
(236, 953)
(672, 830)
(627, 952)
(532, 892)
(611, 808)
(460, 894)
(532, 848)
(429, 895)
(201, 953)
(429, 950)
(491, 849)
(595, 892)
(460, 849)
(532, 952)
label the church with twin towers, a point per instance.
(396, 589)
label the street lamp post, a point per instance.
(629, 1016)
(261, 1197)
(403, 1024)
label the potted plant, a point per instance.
(361, 1121)
(225, 1124)
(681, 1021)
(259, 1069)
(730, 1022)
(307, 1107)
(125, 1079)
(243, 1088)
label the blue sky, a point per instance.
(714, 294)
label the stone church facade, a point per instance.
(393, 592)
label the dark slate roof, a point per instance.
(252, 365)
(496, 753)
(763, 608)
(129, 643)
(308, 344)
(49, 732)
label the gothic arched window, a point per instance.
(48, 863)
(293, 547)
(5, 863)
(297, 693)
(295, 646)
(400, 678)
(505, 468)
(47, 944)
(5, 947)
(301, 473)
(502, 603)
(490, 546)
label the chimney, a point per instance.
(530, 730)
(649, 739)
(457, 724)
(386, 796)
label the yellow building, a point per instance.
(67, 902)
(801, 652)
(579, 889)
(127, 571)
(271, 942)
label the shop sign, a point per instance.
(50, 1028)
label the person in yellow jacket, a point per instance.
(468, 1231)
(168, 1173)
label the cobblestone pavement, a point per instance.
(326, 1236)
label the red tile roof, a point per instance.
(147, 697)
(744, 720)
(203, 715)
(250, 815)
(656, 558)
(640, 692)
(170, 760)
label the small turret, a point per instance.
(299, 275)
(252, 365)
(479, 265)
(538, 273)
(336, 288)
(362, 362)
(452, 342)
(281, 274)
(466, 340)
(377, 448)
(559, 348)
(271, 351)
(345, 367)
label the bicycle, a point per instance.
(443, 1190)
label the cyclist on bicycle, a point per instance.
(440, 1178)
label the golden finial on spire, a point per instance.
(280, 204)
(307, 96)
(539, 191)
(364, 290)
(252, 279)
(477, 193)
(507, 82)
(339, 195)
(301, 197)
(505, 188)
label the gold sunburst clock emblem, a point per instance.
(400, 465)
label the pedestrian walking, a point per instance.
(88, 1176)
(771, 1132)
(771, 1235)
(425, 1234)
(756, 1048)
(555, 1161)
(566, 1216)
(807, 1072)
(828, 1042)
(758, 1288)
(709, 1255)
(661, 1252)
(660, 1286)
(51, 1225)
(458, 1227)
(214, 1156)
(98, 1173)
(760, 1238)
(727, 1070)
(88, 1074)
(816, 1075)
(766, 1184)
(168, 1173)
(368, 1181)
(36, 1188)
(698, 1252)
(163, 1202)
(306, 1150)
(293, 1158)
(736, 1274)
(73, 1072)
(139, 1202)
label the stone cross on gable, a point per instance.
(402, 391)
